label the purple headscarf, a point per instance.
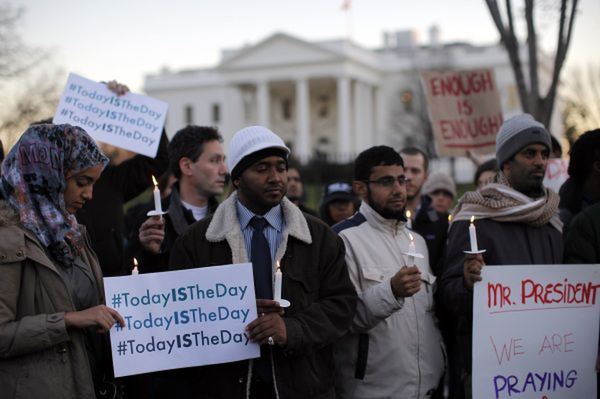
(34, 180)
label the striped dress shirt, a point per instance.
(273, 232)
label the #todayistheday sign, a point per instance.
(464, 109)
(535, 332)
(132, 121)
(182, 318)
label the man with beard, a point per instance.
(394, 348)
(258, 223)
(517, 223)
(295, 190)
(426, 221)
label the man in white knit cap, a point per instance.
(258, 223)
(517, 223)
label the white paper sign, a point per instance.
(557, 172)
(182, 318)
(535, 332)
(133, 121)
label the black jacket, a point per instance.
(103, 215)
(315, 281)
(506, 243)
(177, 221)
(433, 227)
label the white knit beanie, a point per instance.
(518, 132)
(251, 140)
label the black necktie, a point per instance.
(260, 255)
(261, 259)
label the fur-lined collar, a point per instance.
(226, 226)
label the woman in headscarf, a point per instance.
(51, 294)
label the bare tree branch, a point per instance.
(563, 42)
(531, 100)
(534, 88)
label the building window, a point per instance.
(286, 109)
(407, 100)
(216, 113)
(189, 114)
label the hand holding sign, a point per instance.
(110, 113)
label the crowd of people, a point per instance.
(366, 321)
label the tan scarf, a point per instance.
(500, 202)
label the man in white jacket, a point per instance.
(394, 348)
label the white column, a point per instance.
(369, 133)
(343, 104)
(359, 117)
(379, 112)
(303, 149)
(263, 103)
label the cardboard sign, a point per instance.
(557, 172)
(535, 332)
(133, 121)
(464, 109)
(182, 318)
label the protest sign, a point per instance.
(535, 332)
(182, 318)
(557, 172)
(132, 121)
(464, 109)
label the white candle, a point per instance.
(135, 270)
(157, 204)
(408, 220)
(278, 281)
(411, 250)
(473, 235)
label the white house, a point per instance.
(324, 98)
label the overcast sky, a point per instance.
(124, 40)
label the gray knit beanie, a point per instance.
(518, 132)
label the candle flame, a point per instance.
(408, 214)
(411, 237)
(449, 218)
(135, 263)
(278, 267)
(472, 219)
(154, 181)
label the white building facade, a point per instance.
(328, 99)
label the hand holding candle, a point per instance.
(157, 201)
(473, 235)
(412, 251)
(277, 288)
(156, 193)
(473, 239)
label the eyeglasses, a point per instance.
(389, 181)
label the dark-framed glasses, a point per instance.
(389, 181)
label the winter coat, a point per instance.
(506, 243)
(394, 348)
(315, 281)
(103, 214)
(39, 357)
(582, 243)
(433, 227)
